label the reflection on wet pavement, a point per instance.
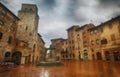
(69, 69)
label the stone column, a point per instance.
(23, 60)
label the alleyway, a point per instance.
(70, 69)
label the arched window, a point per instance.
(1, 22)
(34, 48)
(9, 39)
(97, 41)
(104, 41)
(1, 34)
(119, 28)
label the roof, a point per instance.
(1, 5)
(72, 27)
(83, 26)
(41, 38)
(107, 22)
(57, 39)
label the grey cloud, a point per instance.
(75, 12)
(4, 1)
(109, 8)
(46, 5)
(110, 2)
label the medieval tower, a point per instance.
(27, 30)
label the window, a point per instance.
(104, 41)
(92, 50)
(101, 29)
(9, 39)
(113, 37)
(95, 31)
(72, 42)
(1, 22)
(97, 41)
(119, 28)
(92, 42)
(26, 28)
(34, 48)
(12, 28)
(110, 26)
(85, 44)
(4, 12)
(91, 32)
(84, 34)
(1, 34)
(66, 42)
(30, 34)
(31, 9)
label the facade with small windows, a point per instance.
(57, 44)
(83, 36)
(110, 39)
(72, 41)
(64, 53)
(95, 43)
(8, 28)
(107, 44)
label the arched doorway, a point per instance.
(7, 57)
(85, 56)
(107, 56)
(79, 56)
(99, 57)
(116, 56)
(93, 57)
(16, 57)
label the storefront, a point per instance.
(112, 54)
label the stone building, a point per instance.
(95, 43)
(8, 28)
(27, 33)
(20, 44)
(40, 48)
(28, 25)
(72, 41)
(78, 38)
(82, 42)
(64, 53)
(110, 39)
(57, 44)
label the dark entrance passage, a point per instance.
(79, 56)
(16, 57)
(85, 56)
(93, 57)
(99, 57)
(116, 56)
(7, 57)
(107, 56)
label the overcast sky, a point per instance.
(58, 15)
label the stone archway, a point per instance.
(85, 56)
(7, 57)
(116, 56)
(93, 57)
(16, 57)
(79, 56)
(99, 56)
(107, 55)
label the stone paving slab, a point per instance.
(69, 69)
